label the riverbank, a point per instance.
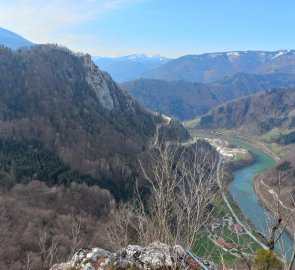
(234, 157)
(241, 188)
(263, 195)
(223, 241)
(259, 145)
(232, 166)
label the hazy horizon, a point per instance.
(111, 28)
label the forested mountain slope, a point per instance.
(62, 101)
(185, 100)
(254, 114)
(70, 140)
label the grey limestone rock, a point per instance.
(157, 255)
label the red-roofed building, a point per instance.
(220, 241)
(228, 246)
(223, 243)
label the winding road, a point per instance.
(166, 122)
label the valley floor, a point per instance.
(222, 242)
(229, 232)
(270, 195)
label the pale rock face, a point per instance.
(96, 79)
(154, 256)
(87, 259)
(89, 266)
(97, 253)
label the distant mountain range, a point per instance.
(210, 67)
(255, 114)
(129, 67)
(12, 40)
(203, 68)
(185, 100)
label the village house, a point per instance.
(224, 244)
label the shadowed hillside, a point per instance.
(185, 100)
(70, 140)
(254, 114)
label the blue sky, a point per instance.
(167, 27)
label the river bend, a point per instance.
(242, 190)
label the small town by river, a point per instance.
(242, 190)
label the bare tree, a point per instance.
(182, 185)
(284, 217)
(27, 262)
(48, 248)
(118, 227)
(75, 234)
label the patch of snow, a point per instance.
(280, 53)
(233, 54)
(213, 55)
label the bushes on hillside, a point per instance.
(267, 260)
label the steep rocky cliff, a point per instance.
(63, 101)
(70, 140)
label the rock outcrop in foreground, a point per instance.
(154, 256)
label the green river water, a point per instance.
(243, 193)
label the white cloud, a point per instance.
(44, 21)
